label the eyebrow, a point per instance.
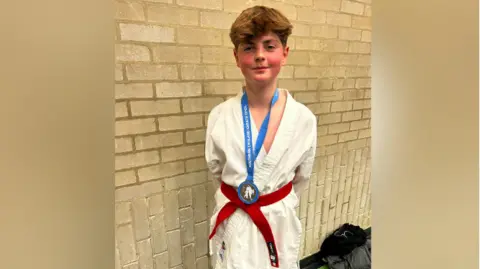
(267, 41)
(272, 40)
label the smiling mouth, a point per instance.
(260, 68)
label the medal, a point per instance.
(248, 191)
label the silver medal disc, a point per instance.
(248, 192)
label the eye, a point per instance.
(270, 46)
(247, 48)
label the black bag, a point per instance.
(342, 241)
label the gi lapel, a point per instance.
(265, 170)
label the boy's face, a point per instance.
(261, 60)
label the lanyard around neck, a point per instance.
(249, 156)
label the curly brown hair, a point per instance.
(258, 20)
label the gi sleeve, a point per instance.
(214, 155)
(304, 170)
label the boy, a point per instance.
(254, 224)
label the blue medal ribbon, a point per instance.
(249, 154)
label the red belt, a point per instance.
(253, 210)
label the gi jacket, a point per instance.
(237, 243)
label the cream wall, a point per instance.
(173, 64)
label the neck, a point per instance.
(260, 96)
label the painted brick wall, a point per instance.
(174, 63)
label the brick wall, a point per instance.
(174, 63)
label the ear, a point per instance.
(286, 51)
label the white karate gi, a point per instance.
(294, 147)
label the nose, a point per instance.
(259, 55)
